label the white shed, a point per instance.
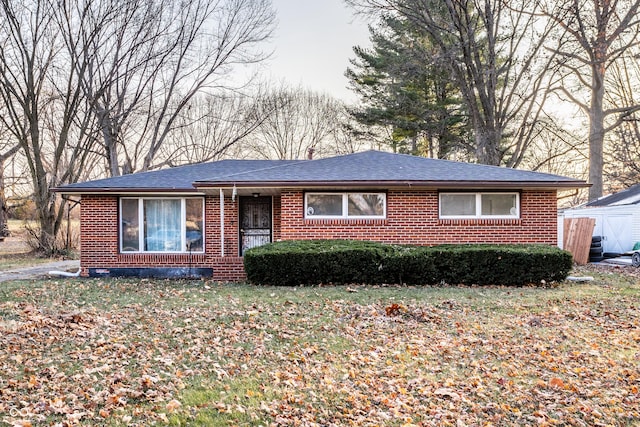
(617, 219)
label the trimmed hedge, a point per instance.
(312, 262)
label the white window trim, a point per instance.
(183, 219)
(478, 214)
(345, 205)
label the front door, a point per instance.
(255, 222)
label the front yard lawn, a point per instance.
(126, 352)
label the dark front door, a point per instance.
(255, 222)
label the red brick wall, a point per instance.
(412, 218)
(277, 219)
(100, 247)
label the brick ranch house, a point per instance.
(198, 220)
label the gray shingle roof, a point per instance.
(630, 196)
(180, 178)
(365, 168)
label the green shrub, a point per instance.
(501, 264)
(314, 262)
(310, 262)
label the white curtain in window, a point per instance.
(162, 219)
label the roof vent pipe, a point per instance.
(310, 153)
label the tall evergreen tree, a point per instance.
(494, 52)
(402, 85)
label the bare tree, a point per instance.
(45, 112)
(110, 78)
(149, 59)
(494, 51)
(598, 33)
(8, 148)
(6, 153)
(622, 146)
(349, 136)
(558, 151)
(212, 127)
(296, 121)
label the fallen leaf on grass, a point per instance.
(395, 309)
(325, 358)
(173, 405)
(447, 392)
(556, 382)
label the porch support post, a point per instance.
(221, 222)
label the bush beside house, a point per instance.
(312, 262)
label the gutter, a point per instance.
(386, 184)
(200, 186)
(125, 190)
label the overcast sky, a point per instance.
(312, 44)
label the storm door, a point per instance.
(255, 222)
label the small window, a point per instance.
(499, 204)
(194, 225)
(161, 225)
(479, 205)
(130, 225)
(366, 204)
(457, 205)
(324, 204)
(345, 205)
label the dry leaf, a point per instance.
(556, 382)
(173, 405)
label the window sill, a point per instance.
(182, 257)
(161, 253)
(345, 221)
(480, 221)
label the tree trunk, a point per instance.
(414, 144)
(596, 125)
(48, 226)
(487, 145)
(42, 197)
(4, 214)
(596, 132)
(4, 228)
(109, 136)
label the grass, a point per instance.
(14, 250)
(8, 262)
(125, 352)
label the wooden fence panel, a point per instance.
(577, 238)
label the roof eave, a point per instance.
(395, 184)
(124, 190)
(200, 186)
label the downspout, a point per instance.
(221, 222)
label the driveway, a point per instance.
(38, 271)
